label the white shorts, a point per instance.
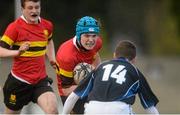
(117, 107)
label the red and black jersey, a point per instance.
(68, 56)
(30, 66)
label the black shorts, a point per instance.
(17, 93)
(78, 107)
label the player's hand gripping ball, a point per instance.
(81, 70)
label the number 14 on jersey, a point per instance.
(118, 73)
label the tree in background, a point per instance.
(162, 28)
(153, 25)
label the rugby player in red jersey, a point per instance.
(28, 80)
(83, 47)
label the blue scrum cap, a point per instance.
(86, 25)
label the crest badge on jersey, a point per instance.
(12, 99)
(46, 33)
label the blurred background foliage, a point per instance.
(154, 25)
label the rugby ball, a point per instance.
(80, 71)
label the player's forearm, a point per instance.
(8, 53)
(152, 110)
(11, 53)
(51, 51)
(69, 103)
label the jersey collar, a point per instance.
(122, 59)
(27, 21)
(79, 47)
(74, 42)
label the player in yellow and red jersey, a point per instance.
(28, 80)
(83, 47)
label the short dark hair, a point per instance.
(126, 49)
(23, 2)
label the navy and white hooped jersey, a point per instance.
(116, 80)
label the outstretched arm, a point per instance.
(8, 53)
(69, 103)
(11, 53)
(152, 110)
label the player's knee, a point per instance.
(51, 107)
(48, 103)
(51, 110)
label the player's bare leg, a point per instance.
(47, 101)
